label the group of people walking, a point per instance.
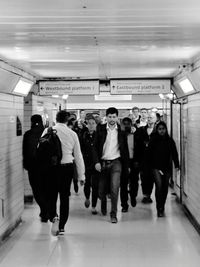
(107, 158)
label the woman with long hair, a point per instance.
(162, 153)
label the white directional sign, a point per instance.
(69, 88)
(131, 87)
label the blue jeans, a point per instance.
(109, 182)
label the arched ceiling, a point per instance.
(99, 39)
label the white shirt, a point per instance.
(111, 146)
(130, 140)
(70, 148)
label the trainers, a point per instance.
(61, 231)
(55, 226)
(87, 203)
(113, 219)
(94, 211)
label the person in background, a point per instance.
(133, 176)
(144, 115)
(136, 116)
(80, 124)
(162, 153)
(61, 176)
(110, 155)
(91, 175)
(158, 118)
(70, 124)
(144, 136)
(30, 163)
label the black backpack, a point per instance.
(49, 150)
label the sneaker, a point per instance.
(87, 203)
(94, 211)
(61, 231)
(113, 219)
(55, 226)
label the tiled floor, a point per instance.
(139, 239)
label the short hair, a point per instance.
(112, 110)
(62, 116)
(144, 109)
(36, 119)
(127, 119)
(134, 108)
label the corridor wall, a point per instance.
(11, 171)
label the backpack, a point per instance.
(49, 150)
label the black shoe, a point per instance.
(160, 214)
(133, 202)
(113, 219)
(44, 219)
(147, 200)
(104, 212)
(125, 209)
(76, 187)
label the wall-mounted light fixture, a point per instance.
(23, 87)
(186, 86)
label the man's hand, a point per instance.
(98, 167)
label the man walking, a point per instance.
(61, 175)
(110, 156)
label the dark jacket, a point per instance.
(30, 142)
(100, 139)
(142, 140)
(87, 144)
(162, 152)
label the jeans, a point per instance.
(147, 180)
(110, 178)
(133, 179)
(161, 186)
(60, 183)
(91, 182)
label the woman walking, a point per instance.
(162, 153)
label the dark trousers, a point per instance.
(147, 180)
(38, 183)
(161, 188)
(60, 183)
(132, 179)
(91, 182)
(110, 177)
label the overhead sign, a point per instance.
(69, 88)
(137, 87)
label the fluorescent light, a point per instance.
(55, 96)
(23, 87)
(106, 96)
(186, 86)
(161, 96)
(65, 97)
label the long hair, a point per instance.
(162, 123)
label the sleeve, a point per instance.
(174, 154)
(78, 158)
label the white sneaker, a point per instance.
(55, 226)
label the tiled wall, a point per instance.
(11, 171)
(192, 200)
(191, 153)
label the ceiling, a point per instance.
(91, 39)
